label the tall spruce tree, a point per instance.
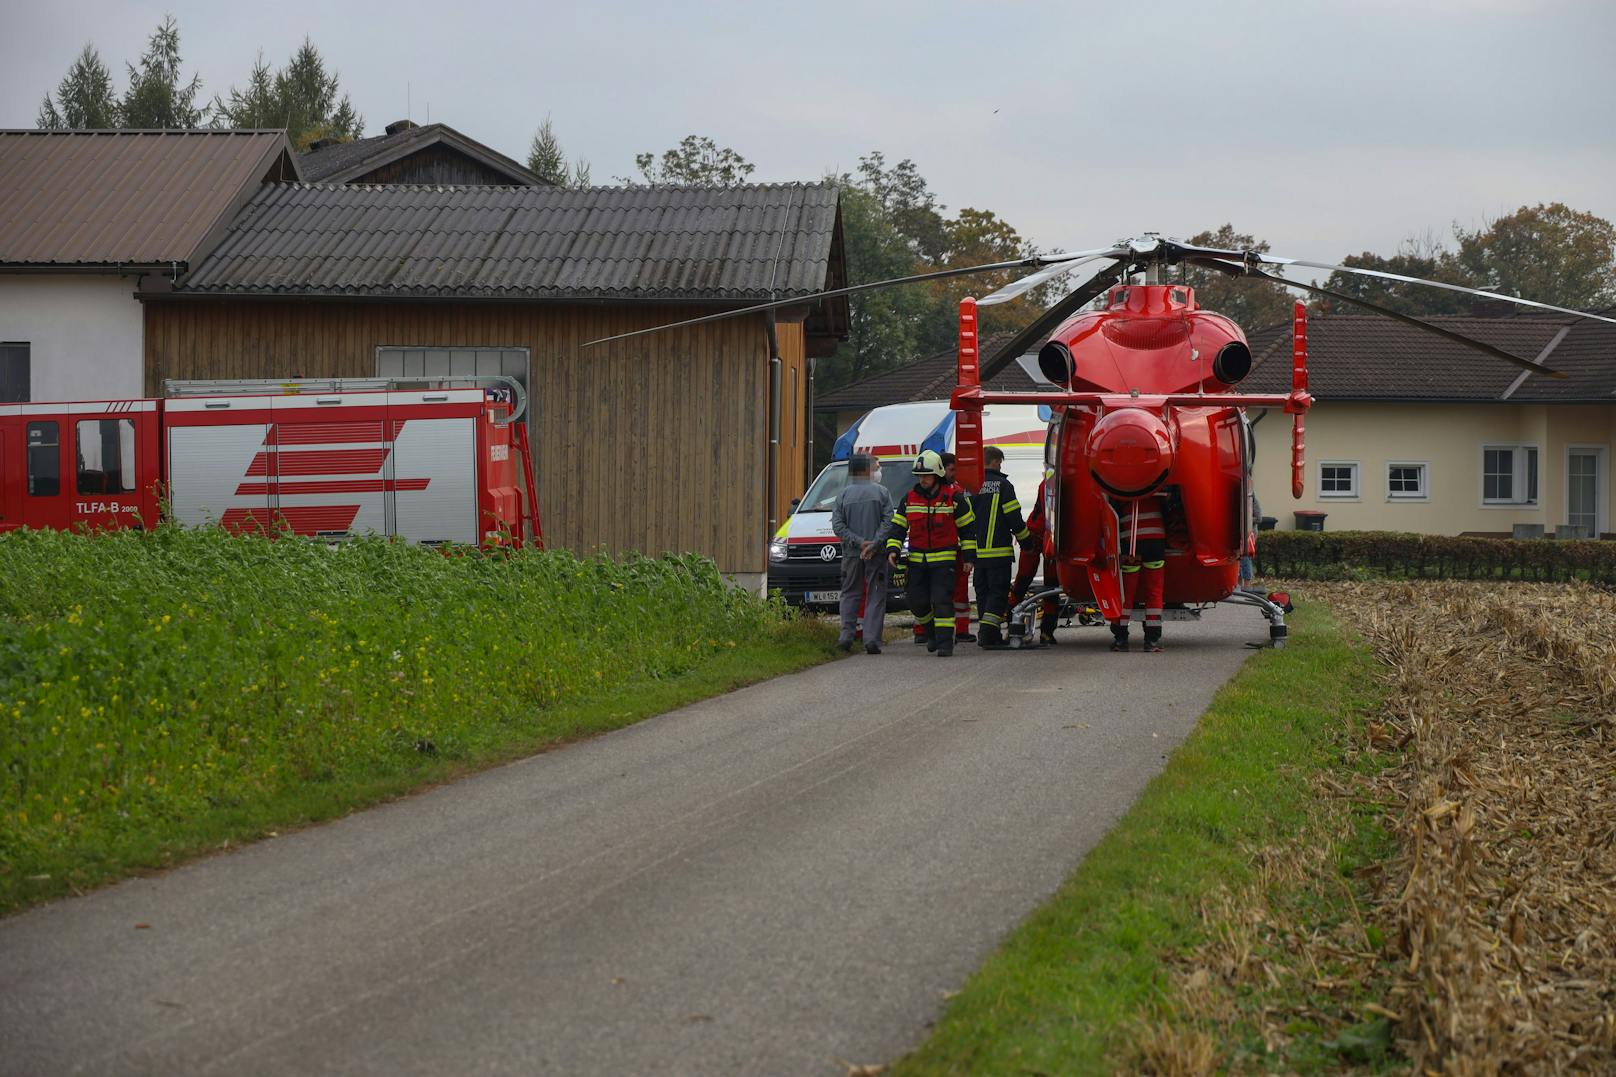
(156, 97)
(84, 99)
(303, 97)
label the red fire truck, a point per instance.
(436, 461)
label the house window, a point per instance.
(14, 380)
(106, 449)
(44, 460)
(1406, 482)
(1509, 474)
(1338, 478)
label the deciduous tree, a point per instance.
(696, 160)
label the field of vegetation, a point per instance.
(1389, 848)
(161, 694)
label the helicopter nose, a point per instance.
(1130, 453)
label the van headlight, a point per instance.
(777, 550)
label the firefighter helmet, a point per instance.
(929, 463)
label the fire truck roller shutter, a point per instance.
(210, 460)
(443, 452)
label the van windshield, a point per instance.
(896, 476)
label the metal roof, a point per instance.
(346, 161)
(1370, 358)
(83, 199)
(405, 242)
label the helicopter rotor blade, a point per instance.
(1447, 334)
(1246, 258)
(1037, 261)
(1032, 280)
(1017, 345)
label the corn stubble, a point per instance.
(1487, 942)
(1502, 901)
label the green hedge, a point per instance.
(1357, 554)
(150, 677)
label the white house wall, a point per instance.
(83, 332)
(1448, 439)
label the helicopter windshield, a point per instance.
(821, 496)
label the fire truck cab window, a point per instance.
(44, 460)
(106, 456)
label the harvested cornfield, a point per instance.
(1501, 903)
(1454, 907)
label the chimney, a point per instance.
(400, 125)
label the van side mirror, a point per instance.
(796, 501)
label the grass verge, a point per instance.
(168, 694)
(1093, 981)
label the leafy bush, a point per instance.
(148, 677)
(1346, 555)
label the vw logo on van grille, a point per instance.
(828, 553)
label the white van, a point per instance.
(805, 556)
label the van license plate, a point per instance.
(823, 597)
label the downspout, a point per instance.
(773, 470)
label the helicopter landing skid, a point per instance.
(1275, 614)
(1019, 623)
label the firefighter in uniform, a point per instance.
(998, 522)
(937, 524)
(1142, 534)
(1032, 549)
(962, 573)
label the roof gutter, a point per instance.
(133, 269)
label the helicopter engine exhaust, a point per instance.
(1231, 366)
(1130, 452)
(1056, 364)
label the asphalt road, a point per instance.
(778, 881)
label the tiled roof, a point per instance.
(1367, 357)
(126, 198)
(343, 161)
(928, 378)
(750, 242)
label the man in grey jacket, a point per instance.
(863, 509)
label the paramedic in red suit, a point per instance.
(1032, 548)
(1142, 538)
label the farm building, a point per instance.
(84, 217)
(1412, 433)
(410, 153)
(690, 440)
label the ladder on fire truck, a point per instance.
(497, 386)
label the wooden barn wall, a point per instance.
(438, 164)
(655, 444)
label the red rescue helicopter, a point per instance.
(1145, 408)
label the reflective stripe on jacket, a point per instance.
(998, 517)
(937, 525)
(1150, 524)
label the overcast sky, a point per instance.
(1324, 127)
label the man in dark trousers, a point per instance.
(999, 527)
(937, 523)
(863, 509)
